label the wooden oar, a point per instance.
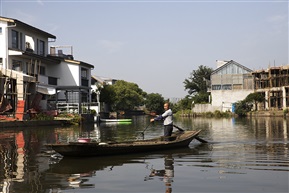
(145, 129)
(196, 137)
(201, 140)
(180, 129)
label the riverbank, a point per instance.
(32, 123)
(44, 120)
(218, 114)
(272, 113)
(67, 121)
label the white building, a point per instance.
(230, 82)
(31, 77)
(98, 82)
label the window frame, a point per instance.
(15, 39)
(41, 47)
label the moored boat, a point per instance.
(76, 149)
(116, 120)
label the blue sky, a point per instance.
(157, 44)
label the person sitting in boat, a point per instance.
(167, 117)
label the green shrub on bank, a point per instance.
(186, 112)
(216, 114)
(285, 111)
(73, 118)
(43, 117)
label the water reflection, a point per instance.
(238, 146)
(167, 174)
(19, 150)
(77, 172)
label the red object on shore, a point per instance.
(20, 110)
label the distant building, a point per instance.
(230, 82)
(273, 83)
(100, 81)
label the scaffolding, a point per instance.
(274, 84)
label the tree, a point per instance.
(107, 94)
(154, 102)
(246, 105)
(242, 108)
(255, 98)
(197, 81)
(201, 97)
(183, 104)
(127, 96)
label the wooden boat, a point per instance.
(76, 149)
(116, 120)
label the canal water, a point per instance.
(243, 155)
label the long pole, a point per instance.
(196, 137)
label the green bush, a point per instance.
(43, 117)
(285, 111)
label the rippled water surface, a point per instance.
(243, 155)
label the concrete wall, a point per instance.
(222, 100)
(3, 44)
(229, 96)
(202, 108)
(225, 98)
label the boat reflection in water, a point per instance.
(73, 172)
(243, 154)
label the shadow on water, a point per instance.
(74, 171)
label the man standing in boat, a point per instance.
(167, 117)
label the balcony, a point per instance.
(62, 52)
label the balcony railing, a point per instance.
(83, 108)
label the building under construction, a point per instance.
(273, 83)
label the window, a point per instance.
(0, 30)
(83, 73)
(84, 82)
(15, 39)
(42, 70)
(25, 68)
(227, 87)
(84, 97)
(41, 47)
(52, 80)
(16, 65)
(216, 87)
(20, 41)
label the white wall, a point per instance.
(225, 97)
(70, 74)
(201, 108)
(3, 43)
(222, 100)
